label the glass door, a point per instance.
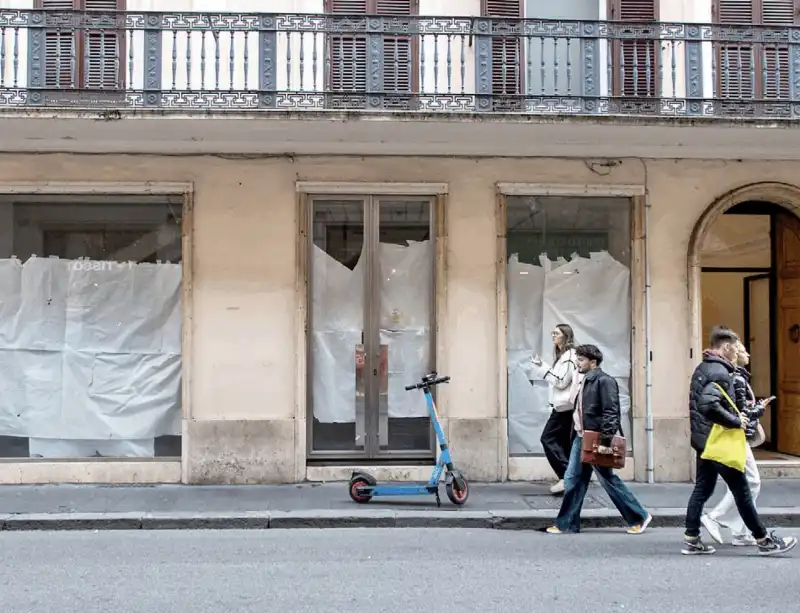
(371, 312)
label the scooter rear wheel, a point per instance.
(456, 495)
(355, 495)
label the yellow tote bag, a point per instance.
(727, 446)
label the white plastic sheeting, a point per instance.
(406, 273)
(590, 294)
(89, 351)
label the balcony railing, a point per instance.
(238, 61)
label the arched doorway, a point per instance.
(744, 272)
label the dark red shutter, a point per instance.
(636, 61)
(506, 50)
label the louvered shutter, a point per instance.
(347, 52)
(506, 50)
(103, 50)
(397, 50)
(776, 67)
(736, 61)
(636, 69)
(60, 50)
(754, 71)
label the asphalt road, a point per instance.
(382, 571)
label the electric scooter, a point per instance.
(364, 486)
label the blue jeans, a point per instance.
(576, 484)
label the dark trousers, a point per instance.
(557, 440)
(707, 473)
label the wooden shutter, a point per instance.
(347, 52)
(398, 69)
(103, 50)
(736, 61)
(748, 71)
(60, 49)
(775, 58)
(84, 58)
(636, 61)
(506, 50)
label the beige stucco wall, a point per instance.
(246, 424)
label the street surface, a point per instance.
(383, 571)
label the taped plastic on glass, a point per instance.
(590, 294)
(89, 350)
(338, 314)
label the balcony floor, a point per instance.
(395, 133)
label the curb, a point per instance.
(377, 518)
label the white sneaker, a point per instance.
(558, 488)
(745, 540)
(712, 526)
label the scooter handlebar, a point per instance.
(426, 382)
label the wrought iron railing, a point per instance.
(202, 61)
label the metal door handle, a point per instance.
(794, 333)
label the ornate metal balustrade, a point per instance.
(237, 61)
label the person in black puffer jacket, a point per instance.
(710, 400)
(724, 514)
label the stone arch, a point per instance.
(784, 195)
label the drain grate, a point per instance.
(548, 501)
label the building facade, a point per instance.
(233, 237)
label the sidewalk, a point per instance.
(497, 505)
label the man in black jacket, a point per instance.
(709, 404)
(596, 409)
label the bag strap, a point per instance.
(728, 398)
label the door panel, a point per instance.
(337, 264)
(371, 313)
(759, 341)
(405, 266)
(787, 234)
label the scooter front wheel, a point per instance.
(354, 493)
(457, 495)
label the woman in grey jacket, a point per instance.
(557, 434)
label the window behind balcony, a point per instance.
(634, 55)
(507, 69)
(80, 52)
(348, 54)
(750, 69)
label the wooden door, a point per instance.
(787, 242)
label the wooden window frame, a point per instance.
(81, 47)
(617, 86)
(414, 50)
(521, 51)
(757, 50)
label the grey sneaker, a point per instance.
(773, 545)
(746, 540)
(713, 528)
(694, 546)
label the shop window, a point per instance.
(90, 328)
(568, 263)
(84, 58)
